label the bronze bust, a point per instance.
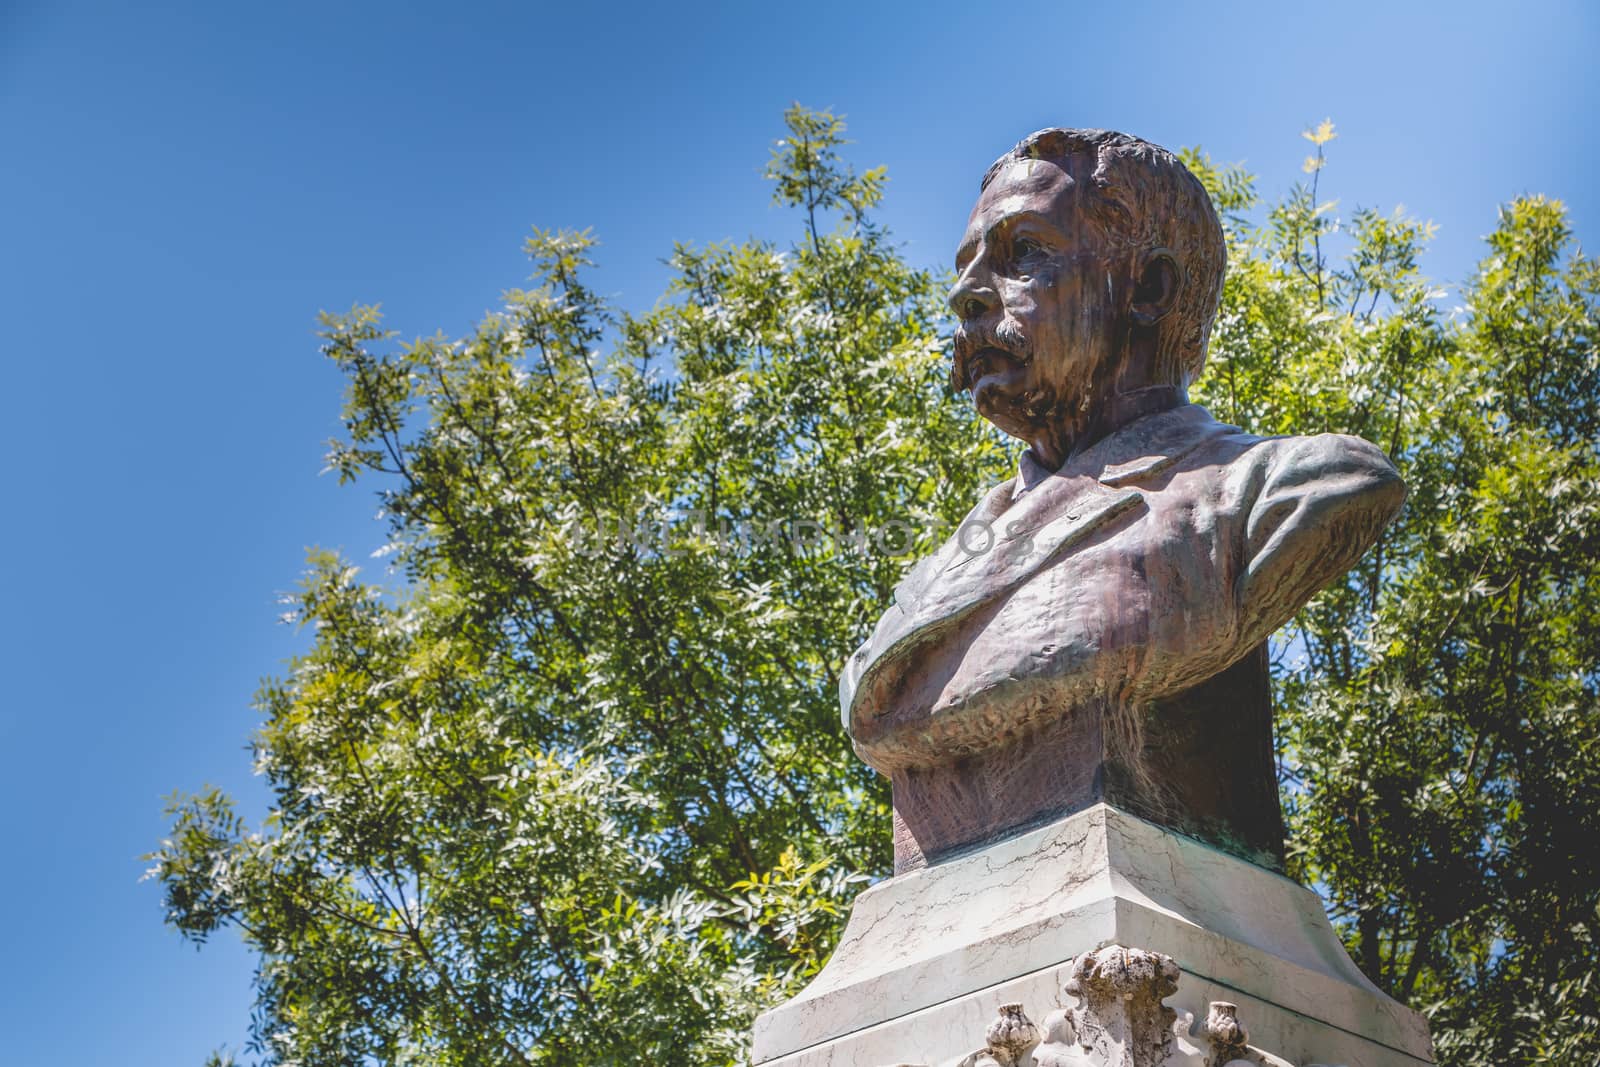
(1096, 630)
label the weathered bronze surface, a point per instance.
(1096, 628)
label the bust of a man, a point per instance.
(1096, 629)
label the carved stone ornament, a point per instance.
(1119, 1020)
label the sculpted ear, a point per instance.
(1157, 291)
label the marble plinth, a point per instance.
(928, 957)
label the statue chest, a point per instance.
(1141, 608)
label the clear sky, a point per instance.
(185, 186)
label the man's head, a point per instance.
(1091, 267)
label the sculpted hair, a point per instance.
(1142, 197)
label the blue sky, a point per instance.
(185, 186)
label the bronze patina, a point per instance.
(1096, 629)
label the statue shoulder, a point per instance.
(1319, 503)
(1293, 458)
(1335, 465)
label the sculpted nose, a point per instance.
(972, 296)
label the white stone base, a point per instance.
(928, 957)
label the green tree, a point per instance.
(1439, 732)
(575, 790)
(570, 786)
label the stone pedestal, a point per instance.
(1098, 913)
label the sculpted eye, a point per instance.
(1025, 248)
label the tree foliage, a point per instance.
(575, 790)
(569, 786)
(1439, 732)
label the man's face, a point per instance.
(1036, 297)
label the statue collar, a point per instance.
(1142, 447)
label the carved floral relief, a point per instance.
(1119, 1020)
